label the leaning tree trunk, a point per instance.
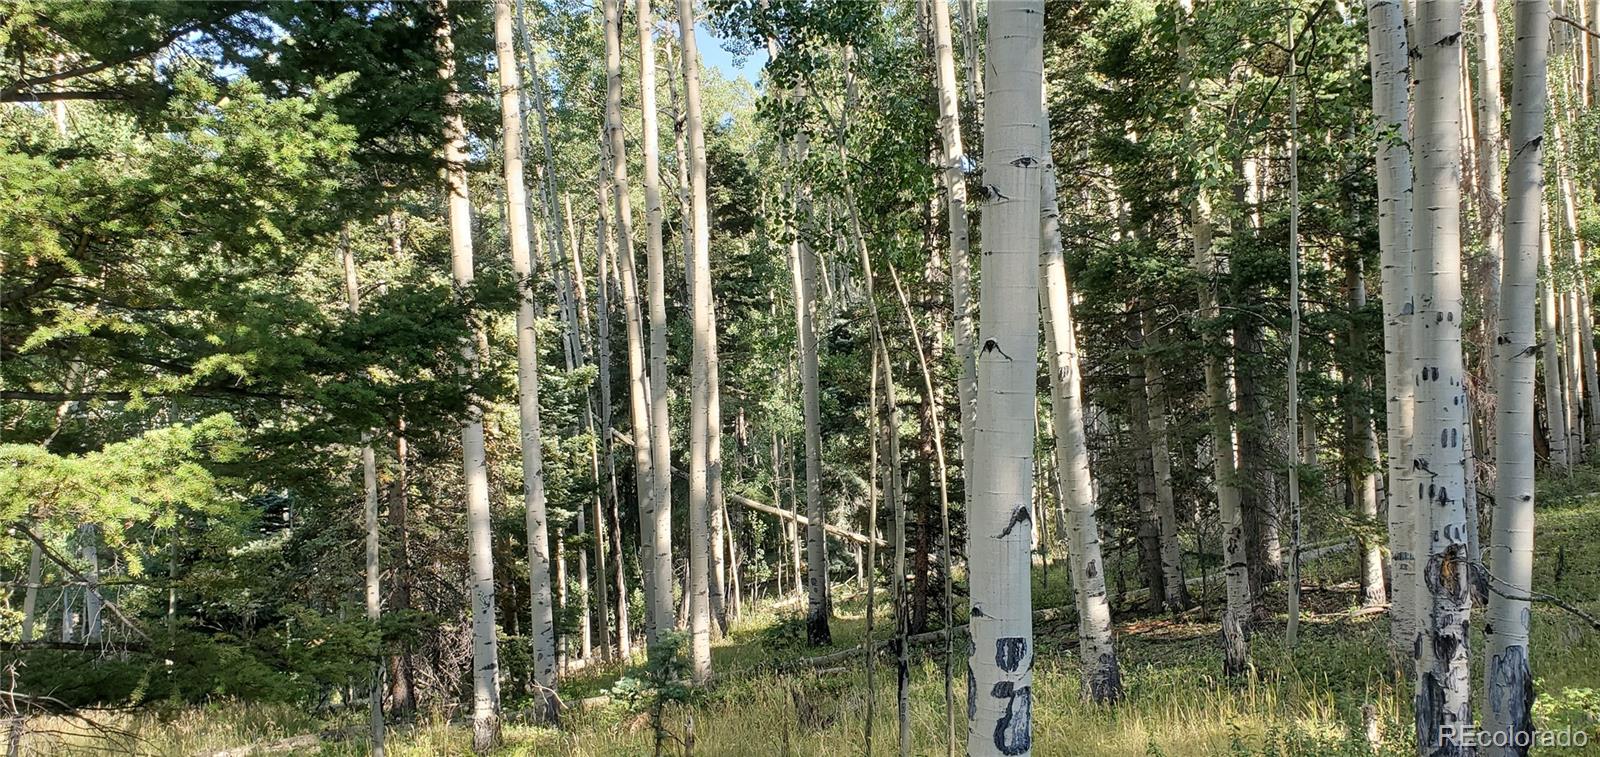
(655, 541)
(1389, 61)
(699, 264)
(1000, 522)
(1101, 676)
(480, 539)
(1508, 681)
(1236, 570)
(1443, 688)
(369, 510)
(542, 620)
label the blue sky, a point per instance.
(714, 55)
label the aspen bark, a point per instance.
(655, 271)
(1101, 675)
(953, 175)
(1218, 399)
(542, 620)
(700, 427)
(1443, 689)
(1491, 179)
(1000, 523)
(1175, 590)
(654, 541)
(803, 266)
(1388, 58)
(1508, 680)
(1555, 395)
(369, 510)
(1292, 632)
(1580, 337)
(485, 650)
(1364, 468)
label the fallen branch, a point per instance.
(1534, 596)
(766, 508)
(1046, 615)
(45, 550)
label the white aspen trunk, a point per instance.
(717, 585)
(655, 542)
(803, 265)
(485, 650)
(1555, 395)
(1490, 177)
(1581, 335)
(970, 55)
(542, 620)
(1101, 675)
(1508, 680)
(953, 176)
(1219, 400)
(874, 435)
(1389, 62)
(655, 270)
(1000, 523)
(1443, 689)
(1292, 632)
(89, 535)
(1572, 368)
(30, 597)
(700, 428)
(1174, 588)
(369, 489)
(1364, 480)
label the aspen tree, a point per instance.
(1219, 400)
(1442, 689)
(1555, 395)
(953, 172)
(699, 264)
(369, 511)
(655, 271)
(542, 620)
(1388, 59)
(1174, 589)
(1508, 681)
(656, 542)
(1000, 523)
(1101, 675)
(485, 649)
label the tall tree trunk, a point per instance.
(1000, 523)
(1508, 681)
(1443, 688)
(1363, 469)
(1175, 592)
(700, 421)
(603, 264)
(1102, 677)
(1234, 560)
(1292, 632)
(655, 541)
(1490, 180)
(1555, 394)
(953, 175)
(402, 676)
(480, 541)
(655, 270)
(1149, 530)
(369, 510)
(803, 265)
(1581, 335)
(542, 619)
(1389, 59)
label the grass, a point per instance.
(1306, 702)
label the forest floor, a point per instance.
(767, 701)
